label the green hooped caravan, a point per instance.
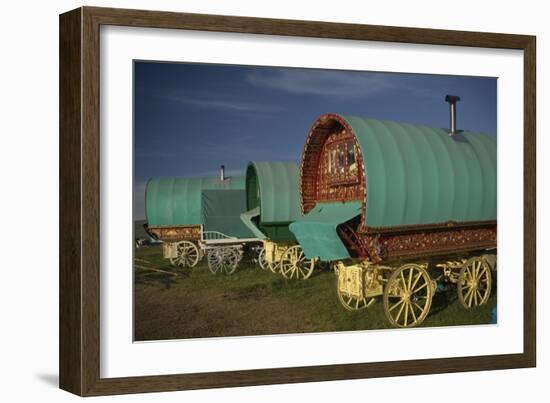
(388, 203)
(194, 216)
(273, 203)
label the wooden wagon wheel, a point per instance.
(474, 283)
(187, 255)
(262, 260)
(408, 296)
(294, 264)
(352, 303)
(230, 260)
(213, 260)
(275, 267)
(224, 259)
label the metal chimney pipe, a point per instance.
(452, 100)
(222, 173)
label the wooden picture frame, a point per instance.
(79, 200)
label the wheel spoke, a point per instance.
(480, 296)
(412, 312)
(406, 313)
(399, 313)
(396, 305)
(468, 292)
(416, 280)
(420, 288)
(484, 275)
(470, 275)
(471, 298)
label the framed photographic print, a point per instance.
(249, 201)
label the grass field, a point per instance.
(177, 304)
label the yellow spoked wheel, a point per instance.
(347, 297)
(353, 303)
(188, 255)
(294, 264)
(408, 296)
(275, 267)
(474, 283)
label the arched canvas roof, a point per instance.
(273, 199)
(415, 177)
(178, 201)
(273, 187)
(418, 175)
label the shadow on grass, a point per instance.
(442, 299)
(165, 278)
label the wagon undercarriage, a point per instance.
(287, 259)
(407, 288)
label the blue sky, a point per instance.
(191, 118)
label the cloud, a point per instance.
(217, 101)
(329, 83)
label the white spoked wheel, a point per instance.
(408, 296)
(223, 259)
(262, 262)
(187, 255)
(474, 283)
(294, 264)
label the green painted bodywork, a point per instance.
(316, 231)
(272, 187)
(419, 175)
(178, 201)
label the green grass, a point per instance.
(176, 304)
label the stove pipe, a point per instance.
(452, 100)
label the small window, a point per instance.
(341, 163)
(352, 163)
(333, 158)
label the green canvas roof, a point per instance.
(178, 201)
(272, 198)
(316, 231)
(273, 187)
(418, 175)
